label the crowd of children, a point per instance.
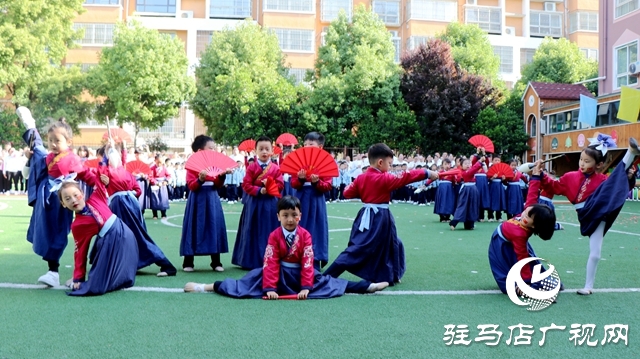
(284, 243)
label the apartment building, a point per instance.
(515, 28)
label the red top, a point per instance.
(254, 175)
(374, 186)
(323, 184)
(158, 173)
(475, 158)
(517, 234)
(517, 176)
(452, 178)
(468, 176)
(194, 183)
(575, 185)
(120, 180)
(63, 163)
(300, 252)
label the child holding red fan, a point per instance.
(159, 194)
(311, 193)
(375, 253)
(445, 197)
(468, 201)
(258, 217)
(497, 194)
(482, 184)
(287, 267)
(515, 202)
(204, 231)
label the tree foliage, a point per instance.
(505, 128)
(35, 35)
(142, 79)
(11, 128)
(356, 99)
(445, 98)
(243, 88)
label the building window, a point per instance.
(591, 54)
(289, 5)
(102, 2)
(203, 39)
(95, 34)
(295, 40)
(505, 53)
(298, 75)
(546, 24)
(583, 21)
(415, 41)
(488, 18)
(533, 130)
(388, 11)
(156, 6)
(396, 44)
(625, 55)
(235, 9)
(331, 9)
(432, 10)
(526, 57)
(624, 7)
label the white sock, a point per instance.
(628, 159)
(595, 248)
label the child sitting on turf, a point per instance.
(375, 252)
(288, 267)
(510, 241)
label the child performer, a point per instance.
(231, 183)
(122, 189)
(514, 193)
(510, 241)
(143, 182)
(181, 182)
(50, 223)
(597, 199)
(445, 198)
(468, 201)
(287, 190)
(482, 184)
(287, 267)
(114, 256)
(547, 198)
(204, 231)
(258, 217)
(375, 253)
(159, 194)
(311, 194)
(345, 180)
(497, 194)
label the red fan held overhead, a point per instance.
(482, 141)
(214, 163)
(92, 163)
(272, 188)
(138, 168)
(247, 145)
(287, 139)
(311, 159)
(118, 135)
(500, 169)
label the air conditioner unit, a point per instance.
(186, 14)
(472, 2)
(550, 6)
(510, 31)
(543, 127)
(634, 68)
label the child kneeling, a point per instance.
(288, 267)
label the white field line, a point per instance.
(609, 231)
(3, 206)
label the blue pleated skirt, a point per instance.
(502, 257)
(127, 208)
(204, 231)
(257, 221)
(314, 219)
(515, 203)
(482, 185)
(114, 261)
(498, 196)
(143, 200)
(445, 199)
(159, 198)
(50, 224)
(468, 208)
(250, 286)
(288, 190)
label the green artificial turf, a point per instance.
(44, 323)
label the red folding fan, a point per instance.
(92, 163)
(213, 162)
(137, 168)
(287, 139)
(454, 172)
(118, 135)
(312, 159)
(286, 296)
(272, 188)
(247, 145)
(482, 141)
(500, 169)
(277, 150)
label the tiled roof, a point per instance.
(560, 91)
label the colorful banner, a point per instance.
(629, 104)
(588, 110)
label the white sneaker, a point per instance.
(52, 279)
(187, 269)
(219, 269)
(421, 205)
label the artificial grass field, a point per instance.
(45, 323)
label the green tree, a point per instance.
(356, 99)
(505, 128)
(243, 87)
(35, 35)
(472, 50)
(142, 79)
(11, 128)
(559, 61)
